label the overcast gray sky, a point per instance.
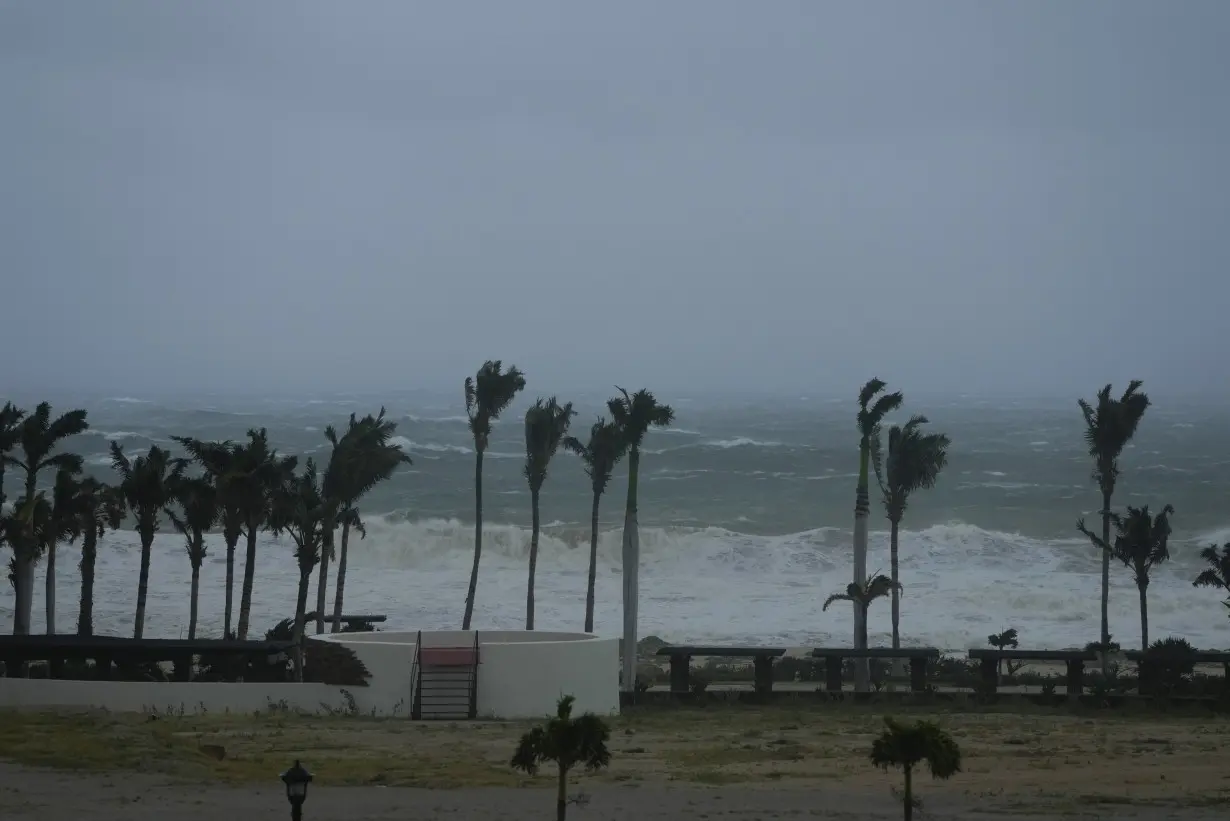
(306, 196)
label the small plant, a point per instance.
(906, 746)
(567, 742)
(1167, 665)
(698, 684)
(1003, 641)
(1048, 688)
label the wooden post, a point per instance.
(764, 673)
(1076, 677)
(918, 673)
(679, 673)
(832, 673)
(990, 674)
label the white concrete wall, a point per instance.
(190, 697)
(521, 675)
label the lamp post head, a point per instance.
(296, 780)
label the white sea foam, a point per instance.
(741, 442)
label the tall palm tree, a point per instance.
(488, 394)
(197, 500)
(546, 425)
(861, 596)
(873, 406)
(633, 415)
(100, 507)
(256, 473)
(39, 436)
(364, 457)
(600, 454)
(27, 527)
(907, 746)
(146, 483)
(1110, 425)
(914, 462)
(1141, 543)
(1217, 574)
(10, 435)
(218, 459)
(65, 526)
(565, 742)
(298, 507)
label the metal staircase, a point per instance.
(445, 681)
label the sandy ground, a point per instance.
(737, 762)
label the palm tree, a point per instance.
(914, 462)
(600, 455)
(256, 473)
(10, 435)
(907, 746)
(870, 417)
(488, 394)
(566, 742)
(39, 435)
(1141, 543)
(65, 526)
(546, 425)
(363, 458)
(27, 527)
(217, 459)
(146, 483)
(197, 499)
(1109, 425)
(1217, 574)
(633, 415)
(862, 595)
(298, 507)
(99, 507)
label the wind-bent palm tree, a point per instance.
(99, 507)
(27, 526)
(1110, 425)
(873, 406)
(907, 746)
(1141, 543)
(256, 473)
(566, 742)
(217, 459)
(298, 507)
(39, 435)
(1217, 574)
(488, 394)
(862, 595)
(546, 425)
(10, 435)
(197, 499)
(633, 415)
(363, 458)
(600, 454)
(913, 462)
(146, 483)
(65, 527)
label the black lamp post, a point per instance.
(296, 780)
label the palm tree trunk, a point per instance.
(1144, 616)
(631, 571)
(322, 584)
(534, 525)
(862, 511)
(593, 565)
(50, 591)
(23, 593)
(230, 586)
(196, 592)
(895, 526)
(478, 537)
(89, 554)
(147, 544)
(249, 576)
(338, 595)
(1105, 581)
(908, 798)
(561, 795)
(300, 615)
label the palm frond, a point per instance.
(835, 598)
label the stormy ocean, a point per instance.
(746, 509)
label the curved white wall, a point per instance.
(521, 674)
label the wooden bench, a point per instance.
(1075, 660)
(919, 658)
(681, 659)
